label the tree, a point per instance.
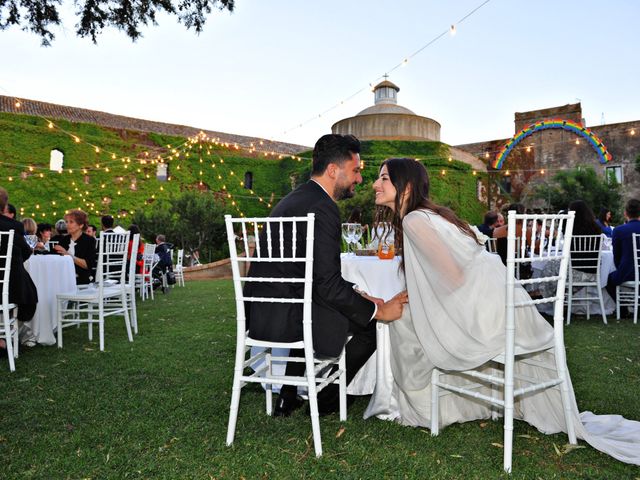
(192, 220)
(582, 184)
(37, 16)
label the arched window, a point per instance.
(56, 160)
(248, 180)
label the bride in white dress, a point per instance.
(455, 320)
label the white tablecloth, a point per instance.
(382, 279)
(52, 274)
(606, 267)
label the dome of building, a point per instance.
(386, 120)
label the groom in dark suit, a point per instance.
(337, 309)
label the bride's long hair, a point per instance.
(408, 171)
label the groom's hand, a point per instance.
(392, 310)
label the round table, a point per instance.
(51, 274)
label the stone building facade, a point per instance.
(541, 155)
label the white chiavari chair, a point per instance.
(8, 311)
(586, 258)
(312, 380)
(504, 384)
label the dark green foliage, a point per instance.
(582, 184)
(191, 220)
(157, 408)
(38, 16)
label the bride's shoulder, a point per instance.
(420, 214)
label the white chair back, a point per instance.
(178, 269)
(112, 258)
(131, 282)
(270, 248)
(492, 245)
(6, 250)
(627, 293)
(586, 257)
(9, 325)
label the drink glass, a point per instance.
(356, 233)
(386, 251)
(347, 235)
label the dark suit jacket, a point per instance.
(622, 241)
(86, 249)
(22, 290)
(335, 303)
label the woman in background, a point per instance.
(603, 221)
(80, 246)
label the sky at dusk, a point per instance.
(273, 65)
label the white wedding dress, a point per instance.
(455, 321)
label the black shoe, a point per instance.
(285, 407)
(331, 405)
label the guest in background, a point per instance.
(584, 223)
(490, 222)
(22, 290)
(80, 246)
(44, 235)
(11, 212)
(604, 219)
(107, 223)
(622, 242)
(133, 229)
(30, 226)
(61, 231)
(92, 231)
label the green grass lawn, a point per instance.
(157, 408)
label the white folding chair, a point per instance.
(130, 285)
(107, 297)
(586, 258)
(9, 323)
(178, 268)
(144, 279)
(312, 379)
(627, 292)
(503, 379)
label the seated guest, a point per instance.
(133, 229)
(30, 226)
(603, 221)
(622, 242)
(107, 223)
(164, 257)
(584, 223)
(92, 231)
(22, 290)
(44, 235)
(489, 223)
(61, 231)
(80, 246)
(11, 212)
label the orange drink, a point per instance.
(386, 251)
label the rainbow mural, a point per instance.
(568, 125)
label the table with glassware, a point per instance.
(51, 274)
(606, 267)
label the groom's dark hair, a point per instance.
(333, 148)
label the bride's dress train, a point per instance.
(455, 321)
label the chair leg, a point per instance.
(635, 303)
(235, 391)
(313, 400)
(569, 302)
(342, 365)
(59, 317)
(8, 337)
(618, 302)
(133, 311)
(435, 402)
(269, 389)
(561, 365)
(127, 321)
(601, 299)
(16, 342)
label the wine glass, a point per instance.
(356, 233)
(347, 234)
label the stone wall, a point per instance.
(52, 111)
(555, 149)
(389, 126)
